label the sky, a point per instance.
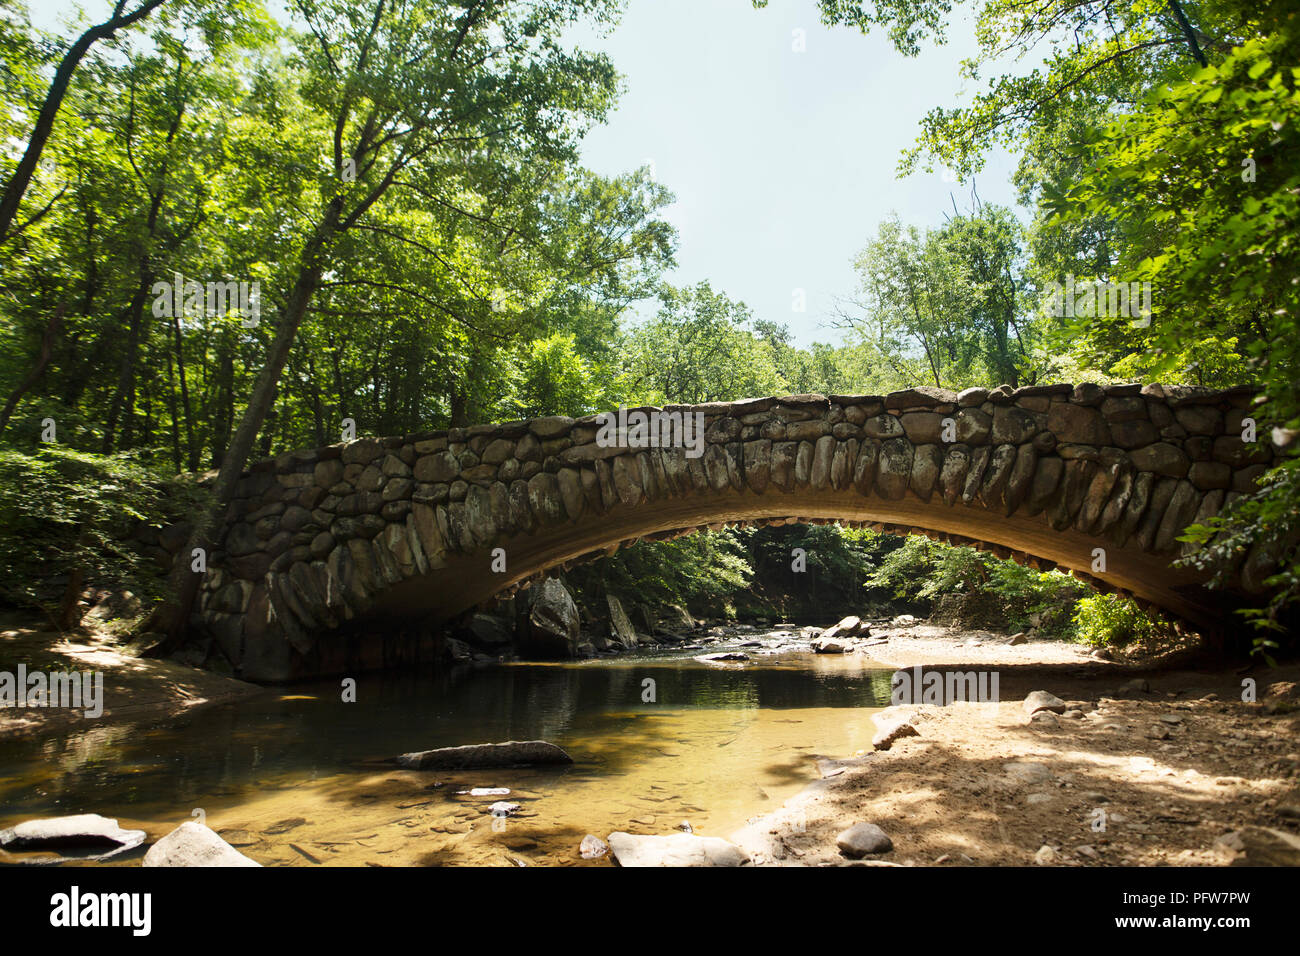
(783, 163)
(782, 160)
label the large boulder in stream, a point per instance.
(193, 844)
(678, 849)
(81, 837)
(490, 630)
(550, 631)
(851, 626)
(512, 753)
(621, 631)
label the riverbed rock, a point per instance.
(862, 839)
(893, 727)
(193, 844)
(512, 753)
(850, 626)
(491, 630)
(85, 836)
(725, 657)
(1259, 846)
(678, 849)
(550, 631)
(592, 847)
(1042, 700)
(829, 645)
(621, 631)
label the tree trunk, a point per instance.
(32, 377)
(16, 188)
(173, 615)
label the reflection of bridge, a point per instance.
(405, 529)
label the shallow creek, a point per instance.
(296, 777)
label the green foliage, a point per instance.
(702, 572)
(921, 569)
(1108, 620)
(701, 347)
(1205, 180)
(65, 511)
(947, 306)
(1264, 525)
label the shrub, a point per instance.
(1110, 620)
(66, 520)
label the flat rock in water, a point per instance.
(473, 756)
(678, 849)
(193, 844)
(726, 657)
(829, 645)
(862, 839)
(92, 836)
(1042, 700)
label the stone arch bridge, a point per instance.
(325, 550)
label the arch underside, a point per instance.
(466, 582)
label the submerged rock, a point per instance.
(96, 837)
(592, 847)
(678, 849)
(193, 844)
(473, 756)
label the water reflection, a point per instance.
(717, 744)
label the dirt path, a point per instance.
(134, 688)
(1182, 773)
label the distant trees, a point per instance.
(947, 306)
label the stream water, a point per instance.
(300, 778)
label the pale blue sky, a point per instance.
(783, 162)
